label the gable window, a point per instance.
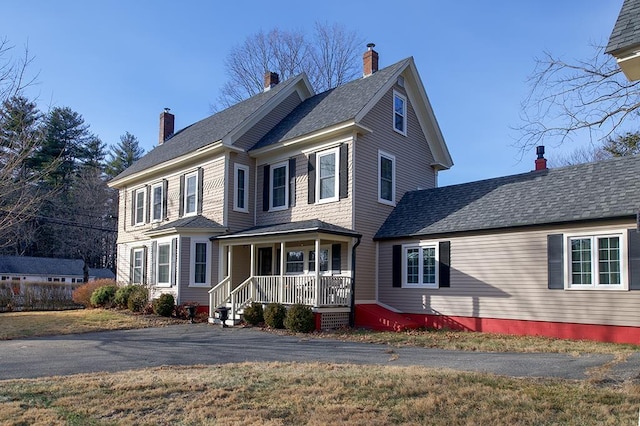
(200, 274)
(420, 263)
(157, 202)
(386, 178)
(399, 113)
(596, 262)
(139, 208)
(279, 187)
(241, 193)
(137, 266)
(328, 179)
(164, 264)
(190, 193)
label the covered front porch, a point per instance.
(307, 262)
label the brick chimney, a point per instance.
(270, 80)
(370, 60)
(541, 162)
(166, 125)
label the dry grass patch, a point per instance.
(14, 325)
(311, 394)
(485, 342)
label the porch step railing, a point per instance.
(219, 295)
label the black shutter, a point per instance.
(144, 265)
(133, 208)
(292, 182)
(174, 260)
(148, 204)
(311, 179)
(397, 266)
(633, 243)
(200, 192)
(131, 259)
(555, 261)
(165, 198)
(444, 270)
(265, 188)
(344, 171)
(181, 201)
(336, 257)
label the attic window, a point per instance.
(399, 113)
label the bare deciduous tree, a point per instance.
(330, 57)
(584, 98)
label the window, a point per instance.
(164, 264)
(157, 202)
(190, 193)
(399, 113)
(279, 187)
(596, 261)
(324, 260)
(295, 262)
(199, 262)
(386, 178)
(139, 208)
(241, 193)
(420, 266)
(328, 179)
(137, 266)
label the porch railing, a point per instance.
(289, 289)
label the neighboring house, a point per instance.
(624, 42)
(551, 252)
(21, 269)
(273, 199)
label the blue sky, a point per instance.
(120, 62)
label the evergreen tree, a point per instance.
(124, 154)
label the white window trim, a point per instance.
(185, 195)
(393, 118)
(336, 187)
(420, 246)
(192, 263)
(153, 191)
(624, 254)
(236, 207)
(392, 202)
(143, 191)
(273, 208)
(163, 242)
(307, 250)
(142, 265)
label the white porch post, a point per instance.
(281, 279)
(317, 272)
(252, 271)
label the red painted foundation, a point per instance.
(379, 318)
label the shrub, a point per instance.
(300, 318)
(274, 315)
(6, 297)
(254, 314)
(82, 295)
(103, 296)
(183, 313)
(138, 298)
(121, 298)
(164, 305)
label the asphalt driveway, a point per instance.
(192, 344)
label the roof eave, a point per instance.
(154, 233)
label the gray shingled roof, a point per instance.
(191, 222)
(331, 107)
(40, 266)
(102, 273)
(313, 225)
(606, 189)
(203, 132)
(626, 31)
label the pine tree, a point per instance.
(123, 155)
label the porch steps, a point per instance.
(376, 317)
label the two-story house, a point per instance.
(277, 198)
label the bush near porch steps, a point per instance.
(274, 315)
(300, 319)
(164, 305)
(253, 314)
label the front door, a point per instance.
(265, 261)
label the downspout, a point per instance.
(352, 312)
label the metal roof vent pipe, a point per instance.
(541, 162)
